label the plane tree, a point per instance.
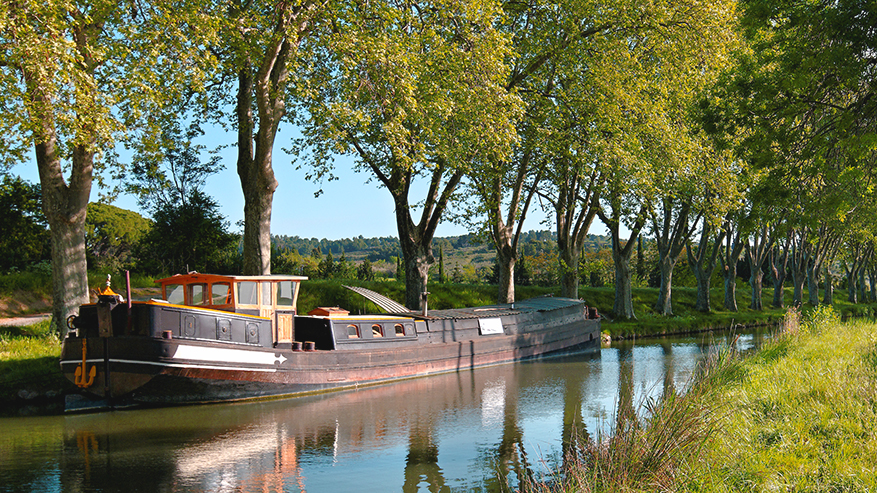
(76, 77)
(413, 91)
(263, 54)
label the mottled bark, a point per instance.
(702, 262)
(65, 209)
(416, 239)
(621, 254)
(506, 229)
(263, 79)
(731, 251)
(799, 258)
(779, 259)
(575, 208)
(757, 248)
(828, 294)
(255, 152)
(813, 284)
(672, 232)
(506, 258)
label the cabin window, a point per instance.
(266, 294)
(219, 293)
(285, 293)
(197, 294)
(377, 330)
(248, 293)
(353, 331)
(175, 293)
(400, 330)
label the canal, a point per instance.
(479, 430)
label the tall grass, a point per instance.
(655, 446)
(805, 416)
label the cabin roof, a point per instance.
(197, 277)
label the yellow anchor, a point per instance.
(81, 380)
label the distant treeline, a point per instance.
(387, 248)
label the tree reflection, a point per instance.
(421, 464)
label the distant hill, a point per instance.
(458, 250)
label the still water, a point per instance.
(476, 430)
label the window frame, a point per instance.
(355, 327)
(377, 331)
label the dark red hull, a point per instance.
(131, 369)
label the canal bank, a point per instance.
(798, 415)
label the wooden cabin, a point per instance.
(273, 297)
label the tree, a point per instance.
(413, 91)
(166, 172)
(74, 76)
(25, 239)
(111, 234)
(189, 235)
(365, 271)
(702, 261)
(261, 61)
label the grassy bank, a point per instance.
(800, 415)
(29, 371)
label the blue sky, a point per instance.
(348, 207)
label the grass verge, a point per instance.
(800, 415)
(29, 368)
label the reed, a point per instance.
(655, 446)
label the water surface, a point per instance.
(479, 430)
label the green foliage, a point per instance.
(192, 235)
(111, 234)
(25, 238)
(167, 172)
(29, 360)
(365, 272)
(820, 318)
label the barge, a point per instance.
(220, 338)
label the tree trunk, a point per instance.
(664, 305)
(872, 276)
(757, 248)
(702, 264)
(672, 233)
(575, 208)
(623, 306)
(730, 254)
(730, 276)
(65, 209)
(506, 257)
(418, 258)
(569, 270)
(828, 296)
(267, 84)
(778, 265)
(852, 285)
(798, 278)
(702, 301)
(813, 284)
(755, 281)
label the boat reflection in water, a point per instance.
(463, 430)
(482, 430)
